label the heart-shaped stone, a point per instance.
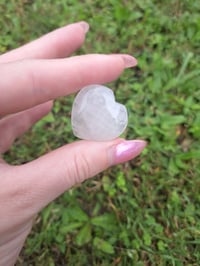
(96, 115)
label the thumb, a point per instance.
(46, 178)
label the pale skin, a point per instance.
(31, 78)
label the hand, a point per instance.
(30, 80)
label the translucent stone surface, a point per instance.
(96, 115)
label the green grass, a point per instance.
(146, 212)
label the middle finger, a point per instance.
(56, 44)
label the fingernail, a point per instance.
(127, 150)
(129, 60)
(85, 26)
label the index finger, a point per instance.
(27, 83)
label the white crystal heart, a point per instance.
(96, 115)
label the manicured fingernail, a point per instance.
(84, 25)
(129, 60)
(127, 150)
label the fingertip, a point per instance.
(128, 60)
(45, 108)
(49, 105)
(85, 26)
(126, 150)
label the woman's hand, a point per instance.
(31, 78)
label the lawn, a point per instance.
(145, 212)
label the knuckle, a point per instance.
(82, 169)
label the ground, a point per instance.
(142, 213)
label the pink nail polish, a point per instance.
(85, 26)
(128, 150)
(129, 60)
